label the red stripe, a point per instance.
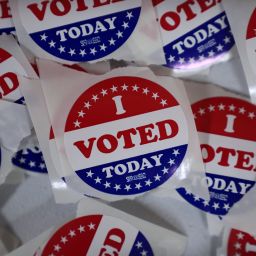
(4, 55)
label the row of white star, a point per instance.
(32, 163)
(139, 245)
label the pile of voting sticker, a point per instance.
(102, 98)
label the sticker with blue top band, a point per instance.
(30, 159)
(228, 150)
(97, 235)
(6, 24)
(195, 33)
(125, 136)
(80, 31)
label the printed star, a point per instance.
(32, 164)
(127, 187)
(171, 162)
(124, 87)
(91, 226)
(107, 184)
(81, 229)
(226, 207)
(72, 233)
(95, 97)
(155, 95)
(125, 25)
(144, 253)
(201, 57)
(61, 49)
(216, 206)
(221, 107)
(165, 170)
(117, 187)
(72, 52)
(114, 88)
(227, 40)
(163, 102)
(22, 160)
(138, 245)
(148, 182)
(175, 152)
(157, 177)
(211, 53)
(240, 236)
(87, 105)
(89, 174)
(52, 44)
(112, 41)
(181, 60)
(135, 88)
(188, 192)
(232, 107)
(97, 180)
(191, 60)
(206, 203)
(171, 58)
(241, 110)
(219, 47)
(57, 247)
(138, 186)
(43, 37)
(145, 91)
(103, 92)
(77, 123)
(42, 166)
(237, 246)
(64, 239)
(103, 47)
(196, 198)
(211, 108)
(93, 51)
(82, 52)
(201, 111)
(129, 15)
(251, 115)
(81, 113)
(119, 34)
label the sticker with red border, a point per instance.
(97, 235)
(195, 33)
(228, 150)
(9, 83)
(241, 244)
(79, 31)
(6, 24)
(125, 135)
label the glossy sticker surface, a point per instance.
(97, 235)
(79, 31)
(228, 149)
(125, 136)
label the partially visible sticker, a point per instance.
(97, 235)
(6, 24)
(194, 33)
(125, 136)
(77, 31)
(228, 149)
(241, 244)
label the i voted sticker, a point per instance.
(79, 31)
(125, 136)
(30, 159)
(241, 244)
(97, 235)
(9, 83)
(6, 24)
(195, 33)
(228, 150)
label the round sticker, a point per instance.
(6, 24)
(228, 149)
(125, 136)
(97, 235)
(79, 31)
(9, 83)
(30, 159)
(195, 33)
(241, 244)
